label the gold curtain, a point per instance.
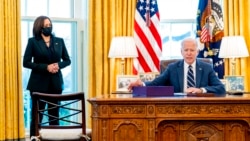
(11, 105)
(237, 22)
(107, 18)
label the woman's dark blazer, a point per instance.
(37, 58)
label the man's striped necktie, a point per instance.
(190, 77)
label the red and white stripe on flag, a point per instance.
(147, 37)
(205, 36)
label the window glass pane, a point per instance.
(23, 7)
(51, 8)
(26, 33)
(178, 9)
(178, 19)
(60, 8)
(36, 7)
(64, 30)
(165, 35)
(172, 34)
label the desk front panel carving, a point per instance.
(164, 119)
(206, 110)
(202, 131)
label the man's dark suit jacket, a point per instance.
(174, 76)
(37, 58)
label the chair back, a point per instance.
(165, 63)
(70, 127)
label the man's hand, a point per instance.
(193, 90)
(138, 82)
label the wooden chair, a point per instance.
(74, 130)
(165, 63)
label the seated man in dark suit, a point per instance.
(188, 75)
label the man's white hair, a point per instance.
(189, 39)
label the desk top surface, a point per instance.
(178, 97)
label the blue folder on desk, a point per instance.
(153, 91)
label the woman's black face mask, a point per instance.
(47, 31)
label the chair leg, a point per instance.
(35, 138)
(85, 138)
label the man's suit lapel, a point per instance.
(180, 71)
(199, 70)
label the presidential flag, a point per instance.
(147, 37)
(210, 30)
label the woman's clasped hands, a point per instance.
(53, 68)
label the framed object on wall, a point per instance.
(224, 82)
(148, 76)
(234, 83)
(123, 81)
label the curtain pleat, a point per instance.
(107, 18)
(11, 105)
(236, 21)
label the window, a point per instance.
(178, 21)
(64, 8)
(64, 26)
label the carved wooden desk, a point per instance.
(180, 118)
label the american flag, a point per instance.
(211, 28)
(205, 32)
(205, 36)
(147, 37)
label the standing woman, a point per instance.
(45, 55)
